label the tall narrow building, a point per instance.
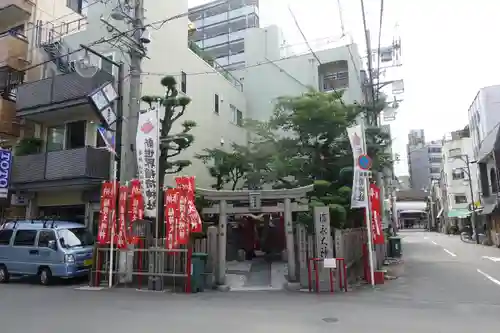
(220, 29)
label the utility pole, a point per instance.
(136, 57)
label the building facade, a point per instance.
(483, 115)
(60, 175)
(220, 29)
(459, 187)
(271, 72)
(424, 160)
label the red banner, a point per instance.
(135, 208)
(106, 213)
(121, 233)
(170, 207)
(376, 215)
(183, 225)
(187, 184)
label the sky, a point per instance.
(449, 52)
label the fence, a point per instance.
(149, 265)
(347, 244)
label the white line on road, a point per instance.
(433, 242)
(426, 237)
(449, 252)
(495, 259)
(489, 277)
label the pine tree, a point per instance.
(171, 144)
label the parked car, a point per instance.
(45, 249)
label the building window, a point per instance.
(460, 199)
(78, 6)
(334, 81)
(494, 181)
(183, 82)
(75, 134)
(216, 103)
(458, 174)
(434, 170)
(435, 160)
(55, 138)
(434, 150)
(67, 136)
(239, 118)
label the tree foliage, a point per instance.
(225, 167)
(171, 144)
(305, 142)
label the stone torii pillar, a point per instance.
(254, 199)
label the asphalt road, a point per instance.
(441, 290)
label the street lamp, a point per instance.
(465, 158)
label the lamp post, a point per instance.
(465, 158)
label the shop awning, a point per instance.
(488, 209)
(459, 213)
(440, 213)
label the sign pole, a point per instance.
(113, 222)
(367, 214)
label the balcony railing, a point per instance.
(13, 50)
(82, 163)
(56, 90)
(13, 12)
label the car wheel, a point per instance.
(45, 276)
(4, 274)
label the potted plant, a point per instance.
(28, 146)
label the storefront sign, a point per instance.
(5, 167)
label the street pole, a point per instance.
(136, 57)
(473, 206)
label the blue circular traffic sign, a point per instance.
(364, 162)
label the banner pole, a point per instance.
(113, 222)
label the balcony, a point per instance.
(59, 97)
(13, 12)
(13, 49)
(82, 167)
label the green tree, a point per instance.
(171, 144)
(226, 167)
(306, 141)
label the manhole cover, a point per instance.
(330, 320)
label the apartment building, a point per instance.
(220, 29)
(458, 178)
(62, 174)
(273, 70)
(424, 160)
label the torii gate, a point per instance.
(254, 198)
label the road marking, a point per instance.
(489, 277)
(433, 242)
(495, 259)
(426, 237)
(449, 252)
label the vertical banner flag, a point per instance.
(147, 159)
(121, 234)
(182, 226)
(105, 213)
(170, 206)
(356, 137)
(376, 207)
(135, 208)
(193, 218)
(5, 168)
